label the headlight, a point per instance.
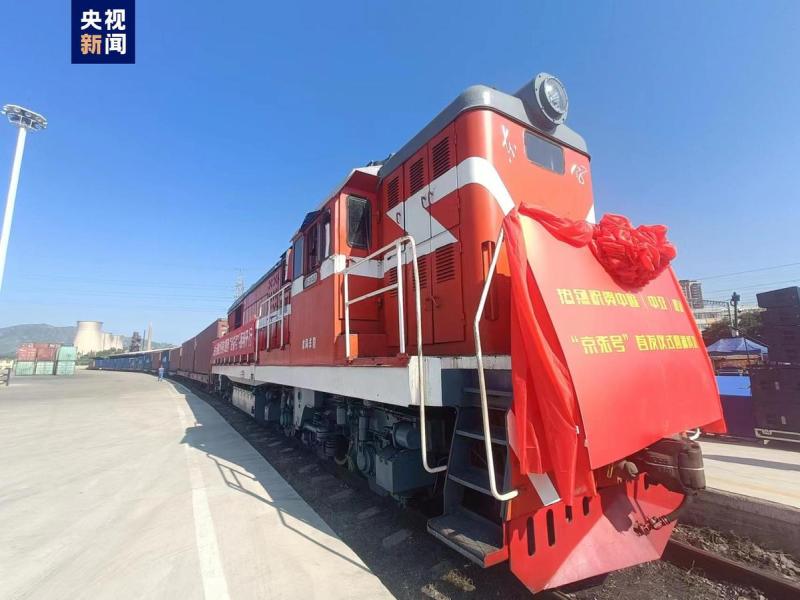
(551, 95)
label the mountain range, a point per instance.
(11, 337)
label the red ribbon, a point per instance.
(633, 256)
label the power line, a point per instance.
(124, 294)
(125, 282)
(757, 285)
(150, 307)
(794, 264)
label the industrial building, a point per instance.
(90, 337)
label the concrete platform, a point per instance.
(763, 472)
(117, 486)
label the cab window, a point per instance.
(544, 153)
(326, 235)
(312, 248)
(358, 222)
(297, 253)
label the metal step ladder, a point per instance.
(475, 505)
(472, 523)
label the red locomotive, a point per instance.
(402, 336)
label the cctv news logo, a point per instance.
(103, 31)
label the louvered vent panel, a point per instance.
(391, 277)
(446, 263)
(423, 273)
(441, 157)
(393, 193)
(416, 177)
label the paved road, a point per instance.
(762, 472)
(117, 486)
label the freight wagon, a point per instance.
(147, 361)
(195, 356)
(174, 360)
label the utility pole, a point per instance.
(238, 288)
(25, 120)
(149, 337)
(735, 298)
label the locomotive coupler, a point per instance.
(677, 464)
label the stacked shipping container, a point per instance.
(776, 388)
(26, 352)
(26, 359)
(43, 358)
(65, 361)
(24, 367)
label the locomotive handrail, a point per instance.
(398, 247)
(272, 316)
(487, 438)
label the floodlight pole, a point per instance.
(11, 199)
(24, 120)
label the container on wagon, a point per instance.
(205, 339)
(164, 360)
(174, 359)
(187, 355)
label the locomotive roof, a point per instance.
(476, 96)
(479, 96)
(370, 169)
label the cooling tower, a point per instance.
(89, 337)
(117, 342)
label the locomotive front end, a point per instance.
(611, 381)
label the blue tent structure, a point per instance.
(737, 345)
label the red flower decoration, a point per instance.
(633, 256)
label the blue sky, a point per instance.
(154, 183)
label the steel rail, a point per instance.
(686, 556)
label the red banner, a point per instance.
(600, 370)
(236, 342)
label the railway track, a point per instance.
(687, 557)
(679, 554)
